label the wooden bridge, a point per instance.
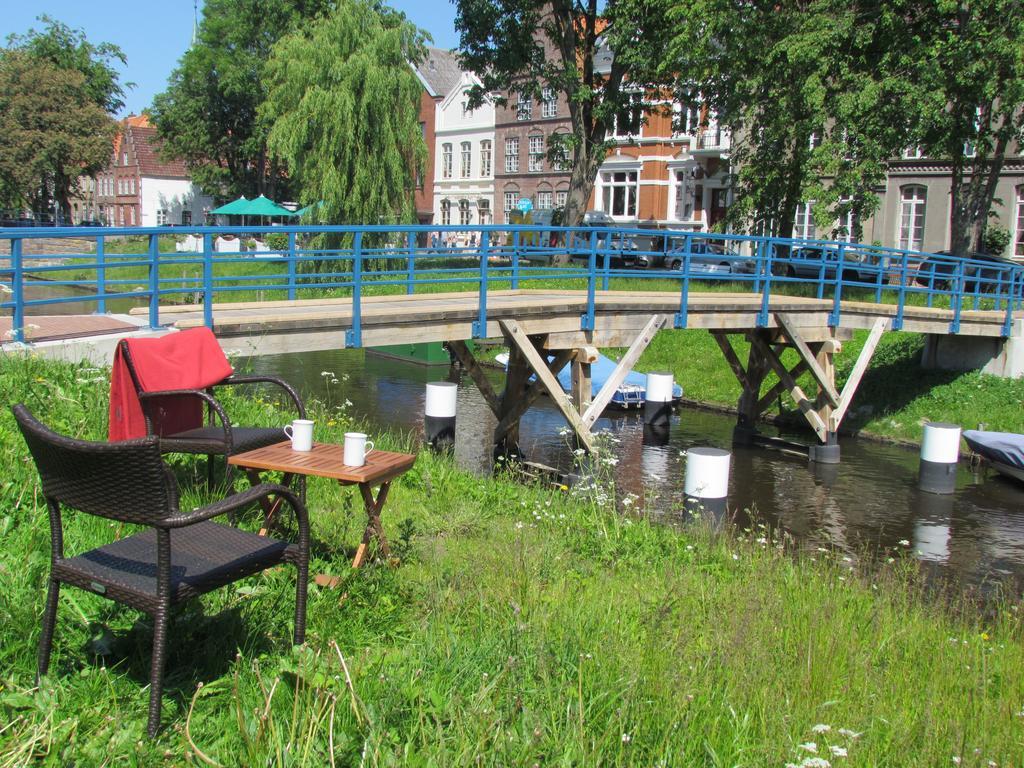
(547, 329)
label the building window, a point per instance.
(466, 111)
(483, 208)
(186, 218)
(467, 159)
(1018, 249)
(685, 119)
(619, 192)
(512, 155)
(536, 159)
(446, 161)
(543, 201)
(548, 103)
(912, 202)
(848, 224)
(627, 119)
(161, 217)
(131, 216)
(465, 218)
(124, 158)
(682, 198)
(524, 107)
(510, 202)
(446, 212)
(485, 158)
(912, 153)
(803, 222)
(561, 198)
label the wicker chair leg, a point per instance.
(209, 472)
(156, 670)
(49, 620)
(301, 589)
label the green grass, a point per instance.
(524, 626)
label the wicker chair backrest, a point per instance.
(124, 481)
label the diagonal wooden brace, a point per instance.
(805, 404)
(374, 529)
(534, 391)
(859, 368)
(469, 362)
(640, 343)
(548, 380)
(825, 384)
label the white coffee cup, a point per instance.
(301, 433)
(357, 448)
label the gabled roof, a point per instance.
(439, 71)
(147, 147)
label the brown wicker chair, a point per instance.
(214, 439)
(182, 555)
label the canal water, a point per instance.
(868, 503)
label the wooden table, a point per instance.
(325, 460)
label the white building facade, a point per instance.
(464, 157)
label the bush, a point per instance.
(278, 241)
(995, 240)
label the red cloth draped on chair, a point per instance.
(190, 359)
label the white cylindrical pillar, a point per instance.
(658, 399)
(940, 452)
(439, 414)
(707, 479)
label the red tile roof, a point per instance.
(147, 152)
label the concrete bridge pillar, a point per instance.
(995, 356)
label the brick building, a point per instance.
(439, 74)
(139, 188)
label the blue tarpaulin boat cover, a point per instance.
(1004, 447)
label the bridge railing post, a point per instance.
(292, 266)
(17, 291)
(1008, 319)
(208, 280)
(410, 266)
(515, 261)
(587, 321)
(901, 296)
(101, 275)
(154, 281)
(879, 277)
(682, 316)
(766, 286)
(957, 286)
(837, 299)
(354, 335)
(820, 292)
(758, 262)
(606, 264)
(480, 326)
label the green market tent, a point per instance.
(263, 206)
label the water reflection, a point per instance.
(869, 501)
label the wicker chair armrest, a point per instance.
(267, 379)
(207, 398)
(238, 501)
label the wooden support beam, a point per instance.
(780, 387)
(517, 374)
(624, 366)
(548, 381)
(826, 385)
(730, 357)
(582, 389)
(805, 405)
(469, 362)
(859, 369)
(529, 397)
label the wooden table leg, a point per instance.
(373, 524)
(269, 507)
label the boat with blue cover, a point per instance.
(630, 394)
(1003, 450)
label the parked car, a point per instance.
(806, 263)
(620, 245)
(938, 270)
(709, 258)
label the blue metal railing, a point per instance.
(127, 264)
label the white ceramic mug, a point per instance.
(357, 448)
(301, 433)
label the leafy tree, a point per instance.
(343, 106)
(209, 115)
(530, 45)
(51, 131)
(971, 101)
(68, 48)
(812, 91)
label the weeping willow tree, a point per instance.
(343, 102)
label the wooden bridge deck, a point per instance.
(414, 318)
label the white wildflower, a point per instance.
(809, 746)
(626, 738)
(904, 543)
(821, 728)
(837, 751)
(815, 762)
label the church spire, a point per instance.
(195, 21)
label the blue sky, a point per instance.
(153, 35)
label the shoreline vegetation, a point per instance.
(522, 626)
